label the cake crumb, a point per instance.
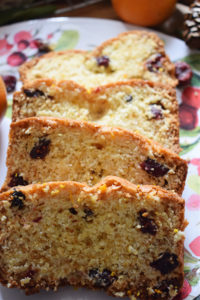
(3, 218)
(55, 192)
(25, 281)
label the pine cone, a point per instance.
(191, 32)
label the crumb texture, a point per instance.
(148, 108)
(67, 232)
(135, 54)
(55, 149)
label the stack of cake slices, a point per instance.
(92, 195)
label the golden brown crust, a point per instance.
(110, 181)
(120, 135)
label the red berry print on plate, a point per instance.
(183, 73)
(185, 291)
(193, 203)
(191, 96)
(195, 246)
(22, 36)
(10, 82)
(196, 162)
(23, 44)
(16, 59)
(188, 117)
(4, 47)
(49, 36)
(34, 44)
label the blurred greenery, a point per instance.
(16, 15)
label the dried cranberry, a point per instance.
(34, 93)
(164, 287)
(148, 225)
(17, 199)
(154, 168)
(17, 180)
(37, 220)
(102, 279)
(183, 73)
(166, 263)
(41, 149)
(16, 59)
(128, 98)
(73, 211)
(154, 64)
(88, 214)
(30, 273)
(156, 112)
(103, 61)
(10, 82)
(188, 116)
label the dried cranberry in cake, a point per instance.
(37, 220)
(166, 263)
(103, 61)
(183, 73)
(17, 179)
(41, 149)
(73, 211)
(102, 279)
(148, 225)
(155, 63)
(164, 287)
(17, 199)
(88, 214)
(30, 273)
(33, 93)
(154, 168)
(10, 82)
(128, 98)
(156, 112)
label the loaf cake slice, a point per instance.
(49, 149)
(133, 54)
(123, 238)
(151, 109)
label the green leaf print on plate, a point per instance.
(190, 133)
(195, 79)
(188, 258)
(68, 40)
(192, 276)
(188, 147)
(194, 183)
(9, 109)
(193, 60)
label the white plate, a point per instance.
(88, 33)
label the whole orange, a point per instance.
(144, 12)
(3, 102)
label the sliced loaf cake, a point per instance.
(133, 54)
(115, 236)
(49, 149)
(151, 109)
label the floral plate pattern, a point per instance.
(23, 41)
